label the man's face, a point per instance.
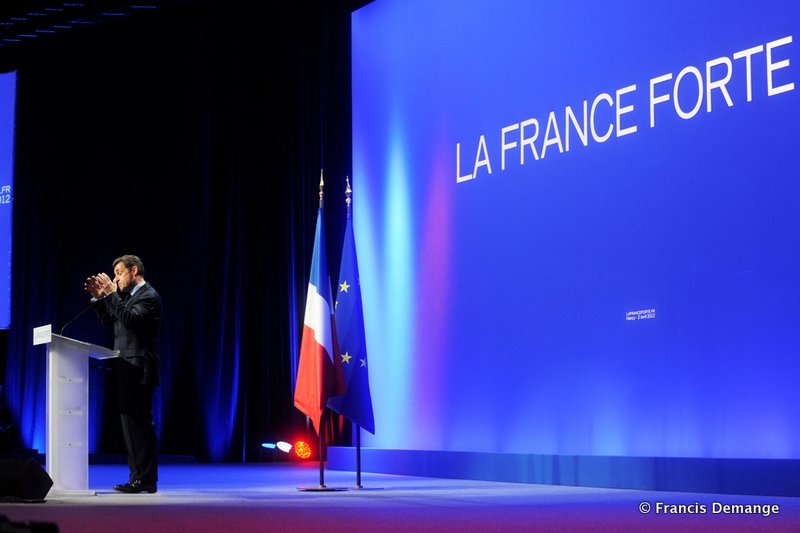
(123, 277)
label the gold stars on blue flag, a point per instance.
(356, 403)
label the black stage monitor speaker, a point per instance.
(23, 480)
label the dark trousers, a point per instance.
(138, 430)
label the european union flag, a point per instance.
(356, 403)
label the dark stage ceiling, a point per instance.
(28, 22)
(25, 24)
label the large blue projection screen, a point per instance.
(8, 86)
(577, 225)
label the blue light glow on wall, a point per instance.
(577, 226)
(8, 89)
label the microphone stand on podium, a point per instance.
(67, 452)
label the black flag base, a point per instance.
(321, 488)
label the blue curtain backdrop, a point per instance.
(194, 138)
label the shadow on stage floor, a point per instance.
(266, 497)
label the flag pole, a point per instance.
(321, 185)
(322, 450)
(358, 458)
(323, 418)
(347, 252)
(349, 201)
(322, 453)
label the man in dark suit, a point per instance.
(131, 308)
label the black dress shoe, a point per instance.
(136, 486)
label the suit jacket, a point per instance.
(136, 323)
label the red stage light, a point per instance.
(302, 449)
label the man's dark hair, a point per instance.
(129, 261)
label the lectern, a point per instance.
(67, 453)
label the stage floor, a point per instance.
(267, 497)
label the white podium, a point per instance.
(67, 453)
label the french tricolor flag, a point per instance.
(319, 371)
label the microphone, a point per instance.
(76, 317)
